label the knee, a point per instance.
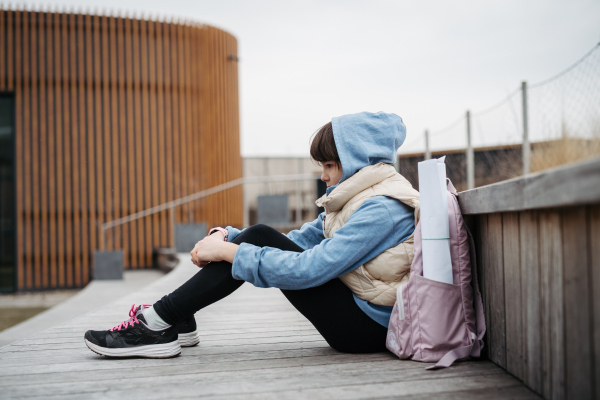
(260, 229)
(255, 234)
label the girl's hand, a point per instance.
(213, 248)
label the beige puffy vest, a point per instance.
(375, 281)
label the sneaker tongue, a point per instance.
(140, 315)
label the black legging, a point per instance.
(330, 307)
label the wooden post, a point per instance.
(470, 156)
(427, 148)
(526, 146)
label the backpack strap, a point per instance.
(450, 187)
(474, 349)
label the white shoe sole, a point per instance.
(164, 350)
(189, 339)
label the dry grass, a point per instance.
(13, 316)
(563, 151)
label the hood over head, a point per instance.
(366, 138)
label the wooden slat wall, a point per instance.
(113, 116)
(541, 285)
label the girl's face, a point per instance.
(331, 173)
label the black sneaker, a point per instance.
(133, 338)
(188, 334)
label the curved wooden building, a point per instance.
(102, 117)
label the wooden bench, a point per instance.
(538, 241)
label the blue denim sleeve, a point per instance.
(309, 235)
(233, 232)
(371, 229)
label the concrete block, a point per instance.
(273, 210)
(187, 235)
(108, 265)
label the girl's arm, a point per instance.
(307, 237)
(380, 223)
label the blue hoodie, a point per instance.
(378, 224)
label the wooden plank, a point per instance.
(204, 104)
(145, 131)
(83, 147)
(123, 140)
(19, 147)
(90, 204)
(481, 236)
(109, 125)
(35, 153)
(115, 233)
(63, 364)
(51, 28)
(189, 129)
(512, 295)
(530, 284)
(222, 59)
(12, 51)
(570, 185)
(210, 123)
(65, 268)
(175, 85)
(42, 178)
(169, 128)
(160, 115)
(3, 55)
(181, 115)
(578, 317)
(80, 164)
(139, 178)
(60, 49)
(294, 376)
(235, 172)
(594, 246)
(98, 119)
(196, 116)
(62, 107)
(27, 160)
(131, 182)
(77, 144)
(236, 150)
(153, 122)
(219, 59)
(495, 277)
(553, 358)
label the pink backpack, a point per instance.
(436, 321)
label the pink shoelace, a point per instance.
(132, 318)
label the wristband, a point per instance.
(223, 231)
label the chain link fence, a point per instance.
(561, 116)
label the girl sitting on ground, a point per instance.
(340, 271)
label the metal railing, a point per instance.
(170, 206)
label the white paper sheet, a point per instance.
(437, 264)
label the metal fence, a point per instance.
(563, 112)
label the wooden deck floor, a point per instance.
(254, 345)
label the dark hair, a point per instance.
(323, 146)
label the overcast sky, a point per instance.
(302, 63)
